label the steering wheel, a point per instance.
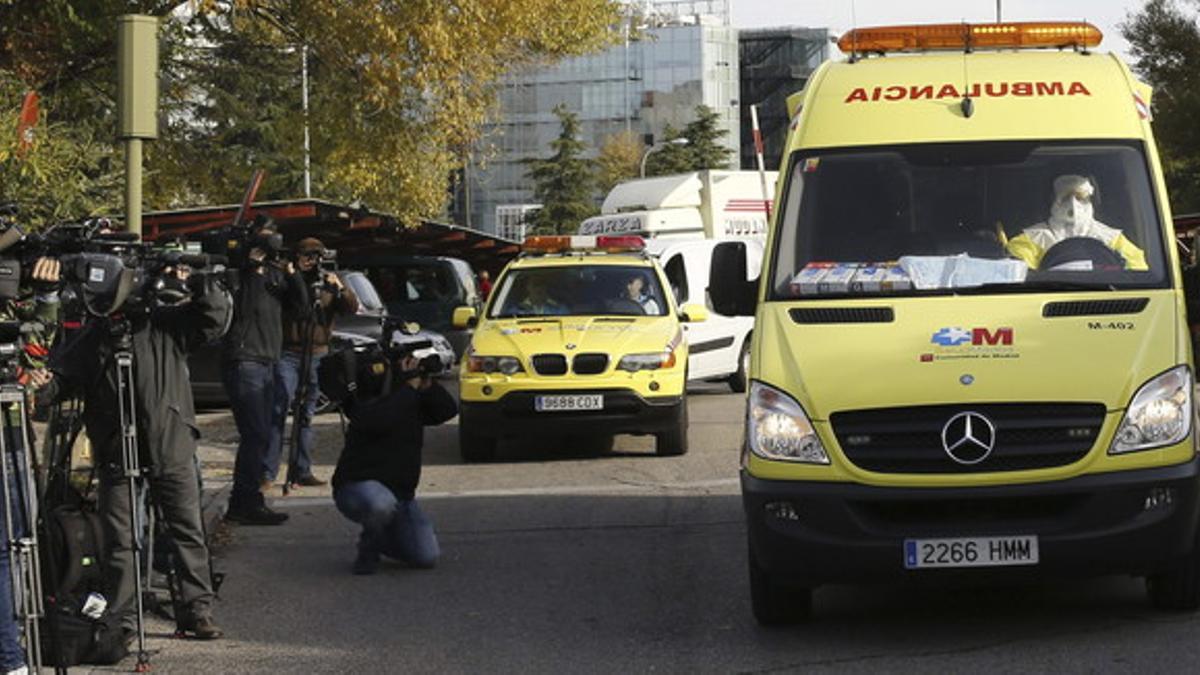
(1076, 249)
(625, 306)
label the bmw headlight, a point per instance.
(507, 365)
(778, 428)
(1160, 413)
(635, 362)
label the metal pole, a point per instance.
(998, 10)
(133, 185)
(304, 99)
(628, 123)
(758, 154)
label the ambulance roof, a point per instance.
(917, 98)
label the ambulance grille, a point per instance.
(590, 364)
(1094, 307)
(842, 314)
(1027, 436)
(550, 364)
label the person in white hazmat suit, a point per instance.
(1071, 215)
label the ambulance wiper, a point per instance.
(1034, 286)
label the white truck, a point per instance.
(706, 204)
(684, 216)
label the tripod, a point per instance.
(300, 420)
(19, 492)
(132, 472)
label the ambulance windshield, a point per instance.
(579, 290)
(969, 218)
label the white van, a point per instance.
(719, 348)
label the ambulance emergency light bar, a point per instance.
(559, 244)
(966, 36)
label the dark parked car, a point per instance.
(359, 330)
(423, 289)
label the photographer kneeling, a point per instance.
(377, 475)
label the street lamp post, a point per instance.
(660, 146)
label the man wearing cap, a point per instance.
(327, 298)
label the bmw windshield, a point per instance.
(579, 290)
(968, 218)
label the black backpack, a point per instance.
(75, 546)
(76, 542)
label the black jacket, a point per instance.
(259, 301)
(83, 365)
(385, 436)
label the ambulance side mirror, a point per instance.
(464, 317)
(731, 293)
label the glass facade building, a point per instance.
(641, 85)
(774, 63)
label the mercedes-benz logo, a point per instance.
(968, 437)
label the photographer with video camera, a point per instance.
(376, 478)
(309, 332)
(263, 285)
(173, 313)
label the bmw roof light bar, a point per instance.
(541, 245)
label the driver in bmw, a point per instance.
(1071, 216)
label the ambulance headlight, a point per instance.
(1159, 415)
(779, 430)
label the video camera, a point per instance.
(101, 270)
(368, 370)
(237, 240)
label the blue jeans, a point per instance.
(251, 389)
(287, 380)
(12, 655)
(394, 527)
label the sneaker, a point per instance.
(309, 481)
(367, 562)
(203, 628)
(258, 515)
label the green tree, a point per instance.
(669, 158)
(398, 88)
(564, 183)
(618, 159)
(704, 147)
(703, 150)
(1164, 41)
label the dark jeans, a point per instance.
(394, 527)
(287, 381)
(250, 386)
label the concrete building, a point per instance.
(681, 53)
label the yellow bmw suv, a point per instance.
(581, 336)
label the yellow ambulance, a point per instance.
(970, 357)
(580, 337)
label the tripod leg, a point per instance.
(131, 464)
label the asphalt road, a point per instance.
(561, 559)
